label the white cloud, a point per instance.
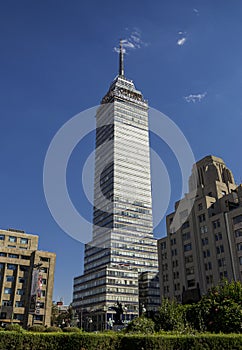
(181, 41)
(196, 11)
(133, 41)
(195, 97)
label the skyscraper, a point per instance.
(120, 263)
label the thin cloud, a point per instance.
(196, 11)
(195, 97)
(181, 41)
(132, 42)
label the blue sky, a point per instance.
(57, 59)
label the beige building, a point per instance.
(207, 245)
(26, 279)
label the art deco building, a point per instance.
(208, 245)
(26, 279)
(123, 249)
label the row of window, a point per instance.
(20, 291)
(22, 267)
(15, 256)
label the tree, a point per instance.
(170, 316)
(221, 308)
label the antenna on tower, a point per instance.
(121, 58)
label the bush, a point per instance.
(170, 316)
(14, 327)
(53, 329)
(117, 341)
(140, 325)
(71, 329)
(221, 309)
(37, 328)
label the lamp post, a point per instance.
(90, 324)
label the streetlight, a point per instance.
(90, 324)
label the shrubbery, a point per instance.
(14, 327)
(36, 328)
(53, 329)
(140, 325)
(71, 329)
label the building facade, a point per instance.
(26, 279)
(208, 245)
(123, 246)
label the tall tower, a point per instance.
(121, 260)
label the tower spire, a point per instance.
(121, 59)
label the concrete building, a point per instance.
(26, 279)
(123, 246)
(207, 246)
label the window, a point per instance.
(185, 225)
(11, 246)
(39, 317)
(13, 256)
(200, 206)
(47, 259)
(173, 241)
(239, 246)
(12, 239)
(218, 236)
(9, 278)
(3, 254)
(6, 303)
(237, 219)
(175, 275)
(43, 293)
(191, 283)
(173, 252)
(1, 266)
(2, 237)
(187, 247)
(19, 304)
(3, 315)
(19, 317)
(221, 262)
(163, 245)
(25, 257)
(24, 268)
(240, 260)
(220, 249)
(44, 281)
(201, 218)
(7, 290)
(238, 233)
(205, 241)
(216, 224)
(44, 269)
(203, 229)
(20, 291)
(21, 280)
(190, 270)
(188, 259)
(186, 236)
(206, 253)
(12, 266)
(23, 240)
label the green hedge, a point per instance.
(117, 341)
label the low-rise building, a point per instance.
(26, 279)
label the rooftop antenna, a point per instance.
(121, 58)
